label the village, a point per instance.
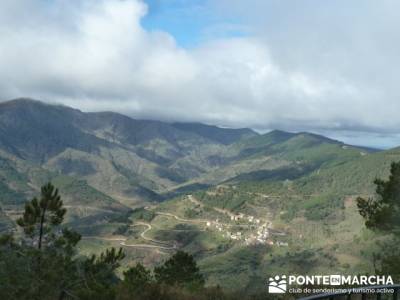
(254, 230)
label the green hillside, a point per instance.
(245, 205)
(324, 232)
(134, 160)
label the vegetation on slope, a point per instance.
(44, 264)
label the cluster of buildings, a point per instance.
(262, 236)
(234, 236)
(250, 219)
(218, 226)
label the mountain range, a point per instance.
(113, 170)
(139, 160)
(119, 162)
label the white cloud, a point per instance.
(304, 67)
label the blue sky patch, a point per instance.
(190, 22)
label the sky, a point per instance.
(329, 67)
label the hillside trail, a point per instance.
(88, 208)
(78, 207)
(222, 211)
(143, 236)
(217, 209)
(179, 218)
(163, 245)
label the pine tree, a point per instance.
(181, 269)
(382, 211)
(48, 267)
(381, 214)
(40, 215)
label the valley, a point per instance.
(246, 205)
(256, 236)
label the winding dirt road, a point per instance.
(181, 219)
(163, 245)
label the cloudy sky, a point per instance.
(330, 67)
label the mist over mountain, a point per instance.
(170, 149)
(132, 160)
(137, 159)
(113, 170)
(140, 159)
(129, 162)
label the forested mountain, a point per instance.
(118, 174)
(123, 157)
(135, 161)
(140, 160)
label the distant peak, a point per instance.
(204, 125)
(318, 137)
(219, 134)
(277, 131)
(30, 102)
(22, 100)
(280, 133)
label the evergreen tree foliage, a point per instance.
(382, 214)
(45, 264)
(181, 269)
(39, 215)
(138, 283)
(137, 277)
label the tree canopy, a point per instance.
(44, 264)
(180, 269)
(382, 211)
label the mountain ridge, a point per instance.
(142, 161)
(114, 171)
